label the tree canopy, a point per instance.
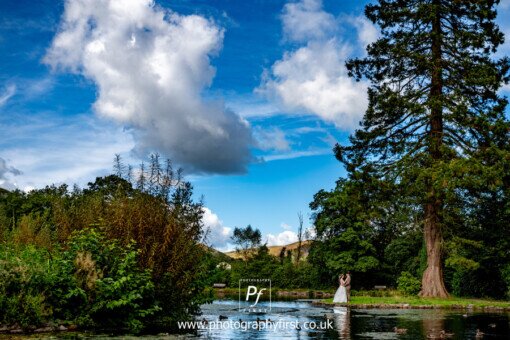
(436, 122)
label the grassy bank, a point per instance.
(414, 301)
(387, 299)
(230, 292)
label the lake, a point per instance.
(357, 323)
(338, 323)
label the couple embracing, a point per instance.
(343, 293)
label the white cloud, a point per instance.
(218, 235)
(36, 149)
(281, 239)
(37, 87)
(150, 67)
(367, 32)
(305, 20)
(271, 139)
(7, 94)
(313, 79)
(288, 236)
(297, 154)
(6, 175)
(249, 106)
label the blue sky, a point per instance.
(249, 97)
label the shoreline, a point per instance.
(278, 292)
(493, 309)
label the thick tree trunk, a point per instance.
(432, 281)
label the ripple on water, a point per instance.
(348, 324)
(378, 335)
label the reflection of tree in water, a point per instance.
(342, 322)
(433, 325)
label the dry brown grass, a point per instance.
(86, 270)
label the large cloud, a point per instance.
(6, 173)
(312, 79)
(218, 235)
(150, 67)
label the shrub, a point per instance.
(54, 266)
(408, 284)
(23, 309)
(26, 273)
(118, 293)
(95, 282)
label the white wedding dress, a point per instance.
(340, 295)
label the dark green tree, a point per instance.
(354, 223)
(246, 240)
(435, 122)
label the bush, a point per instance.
(408, 284)
(118, 294)
(54, 267)
(26, 274)
(24, 310)
(95, 282)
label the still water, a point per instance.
(344, 323)
(358, 323)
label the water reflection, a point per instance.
(342, 322)
(434, 327)
(358, 323)
(345, 323)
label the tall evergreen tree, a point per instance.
(435, 120)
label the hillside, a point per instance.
(217, 254)
(276, 250)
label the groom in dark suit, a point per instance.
(347, 284)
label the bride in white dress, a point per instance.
(341, 292)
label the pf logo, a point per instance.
(255, 295)
(252, 290)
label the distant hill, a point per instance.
(276, 250)
(218, 254)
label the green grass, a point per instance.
(417, 301)
(392, 297)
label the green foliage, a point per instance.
(246, 239)
(115, 255)
(95, 281)
(435, 124)
(505, 273)
(261, 265)
(432, 152)
(353, 228)
(118, 294)
(27, 274)
(408, 284)
(401, 254)
(458, 252)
